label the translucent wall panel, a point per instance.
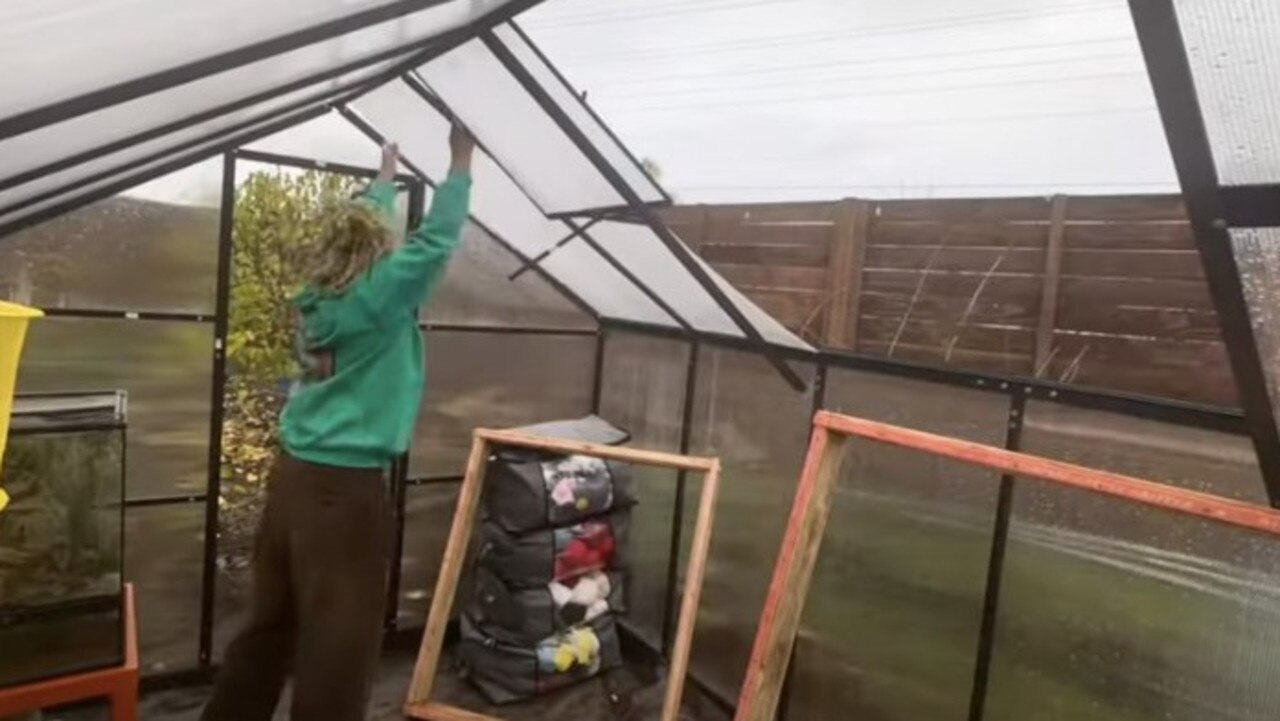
(1236, 65)
(477, 290)
(106, 43)
(1257, 254)
(643, 392)
(569, 101)
(495, 380)
(1115, 611)
(164, 556)
(511, 124)
(891, 625)
(428, 514)
(152, 248)
(164, 366)
(500, 205)
(1217, 463)
(117, 121)
(746, 414)
(640, 250)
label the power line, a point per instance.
(887, 93)
(876, 76)
(776, 69)
(676, 9)
(849, 33)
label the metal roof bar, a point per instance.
(1171, 79)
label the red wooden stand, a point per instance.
(119, 684)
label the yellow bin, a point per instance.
(13, 330)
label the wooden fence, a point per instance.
(1105, 292)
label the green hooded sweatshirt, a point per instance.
(361, 351)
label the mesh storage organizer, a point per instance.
(549, 570)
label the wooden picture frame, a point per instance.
(418, 705)
(793, 571)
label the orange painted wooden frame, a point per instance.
(419, 704)
(118, 684)
(793, 572)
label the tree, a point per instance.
(275, 222)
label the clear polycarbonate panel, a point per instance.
(640, 250)
(150, 248)
(602, 286)
(1207, 461)
(97, 128)
(1236, 65)
(166, 368)
(329, 138)
(573, 105)
(164, 555)
(642, 390)
(1112, 610)
(508, 121)
(495, 380)
(477, 290)
(209, 129)
(771, 330)
(197, 153)
(758, 426)
(503, 208)
(890, 626)
(1257, 252)
(85, 47)
(428, 513)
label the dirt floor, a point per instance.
(630, 694)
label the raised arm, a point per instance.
(404, 280)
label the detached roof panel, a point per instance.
(1234, 50)
(497, 109)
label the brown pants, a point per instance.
(320, 575)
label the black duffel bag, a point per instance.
(506, 672)
(528, 615)
(537, 558)
(527, 490)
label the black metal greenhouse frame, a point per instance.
(1213, 209)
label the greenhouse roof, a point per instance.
(175, 83)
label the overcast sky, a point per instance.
(813, 99)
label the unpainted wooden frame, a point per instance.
(419, 705)
(793, 571)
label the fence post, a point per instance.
(1049, 288)
(844, 272)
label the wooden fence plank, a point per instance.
(959, 234)
(810, 255)
(844, 273)
(754, 276)
(966, 209)
(1127, 207)
(1049, 284)
(1130, 236)
(948, 257)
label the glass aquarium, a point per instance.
(61, 582)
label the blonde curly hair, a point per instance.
(353, 236)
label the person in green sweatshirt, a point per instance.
(323, 546)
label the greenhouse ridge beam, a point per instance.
(677, 248)
(1169, 68)
(221, 62)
